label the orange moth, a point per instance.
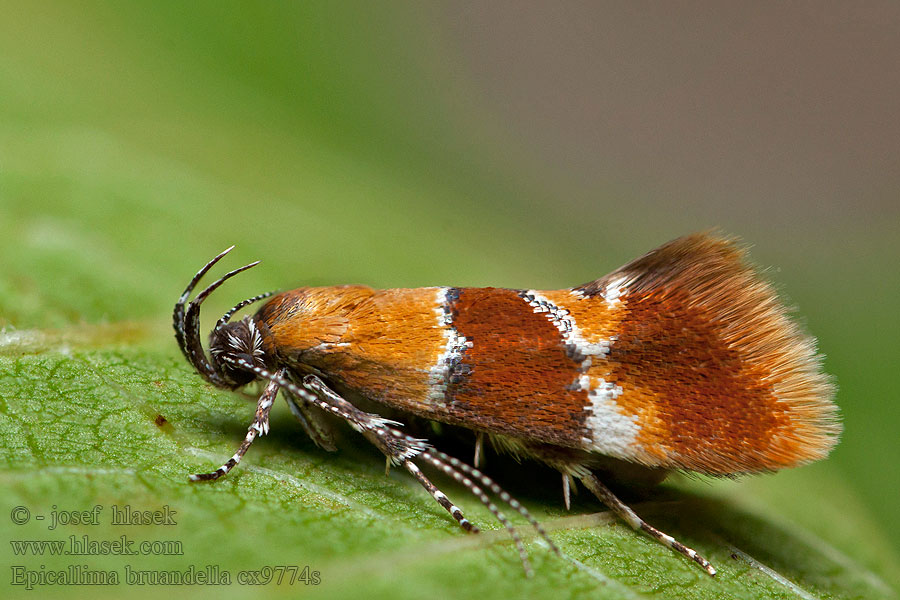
(683, 359)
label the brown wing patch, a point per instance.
(698, 401)
(516, 378)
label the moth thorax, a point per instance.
(234, 346)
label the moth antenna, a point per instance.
(192, 317)
(178, 314)
(187, 323)
(227, 316)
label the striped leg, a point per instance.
(402, 449)
(629, 516)
(398, 449)
(455, 463)
(476, 491)
(260, 426)
(441, 497)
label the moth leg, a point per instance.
(470, 477)
(399, 450)
(479, 449)
(440, 497)
(312, 420)
(457, 470)
(315, 385)
(403, 449)
(591, 482)
(259, 426)
(566, 478)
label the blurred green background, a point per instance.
(407, 144)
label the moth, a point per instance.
(682, 360)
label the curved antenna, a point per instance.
(227, 316)
(187, 323)
(178, 314)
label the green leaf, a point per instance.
(94, 422)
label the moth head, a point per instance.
(233, 346)
(236, 348)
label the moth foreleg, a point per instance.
(259, 426)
